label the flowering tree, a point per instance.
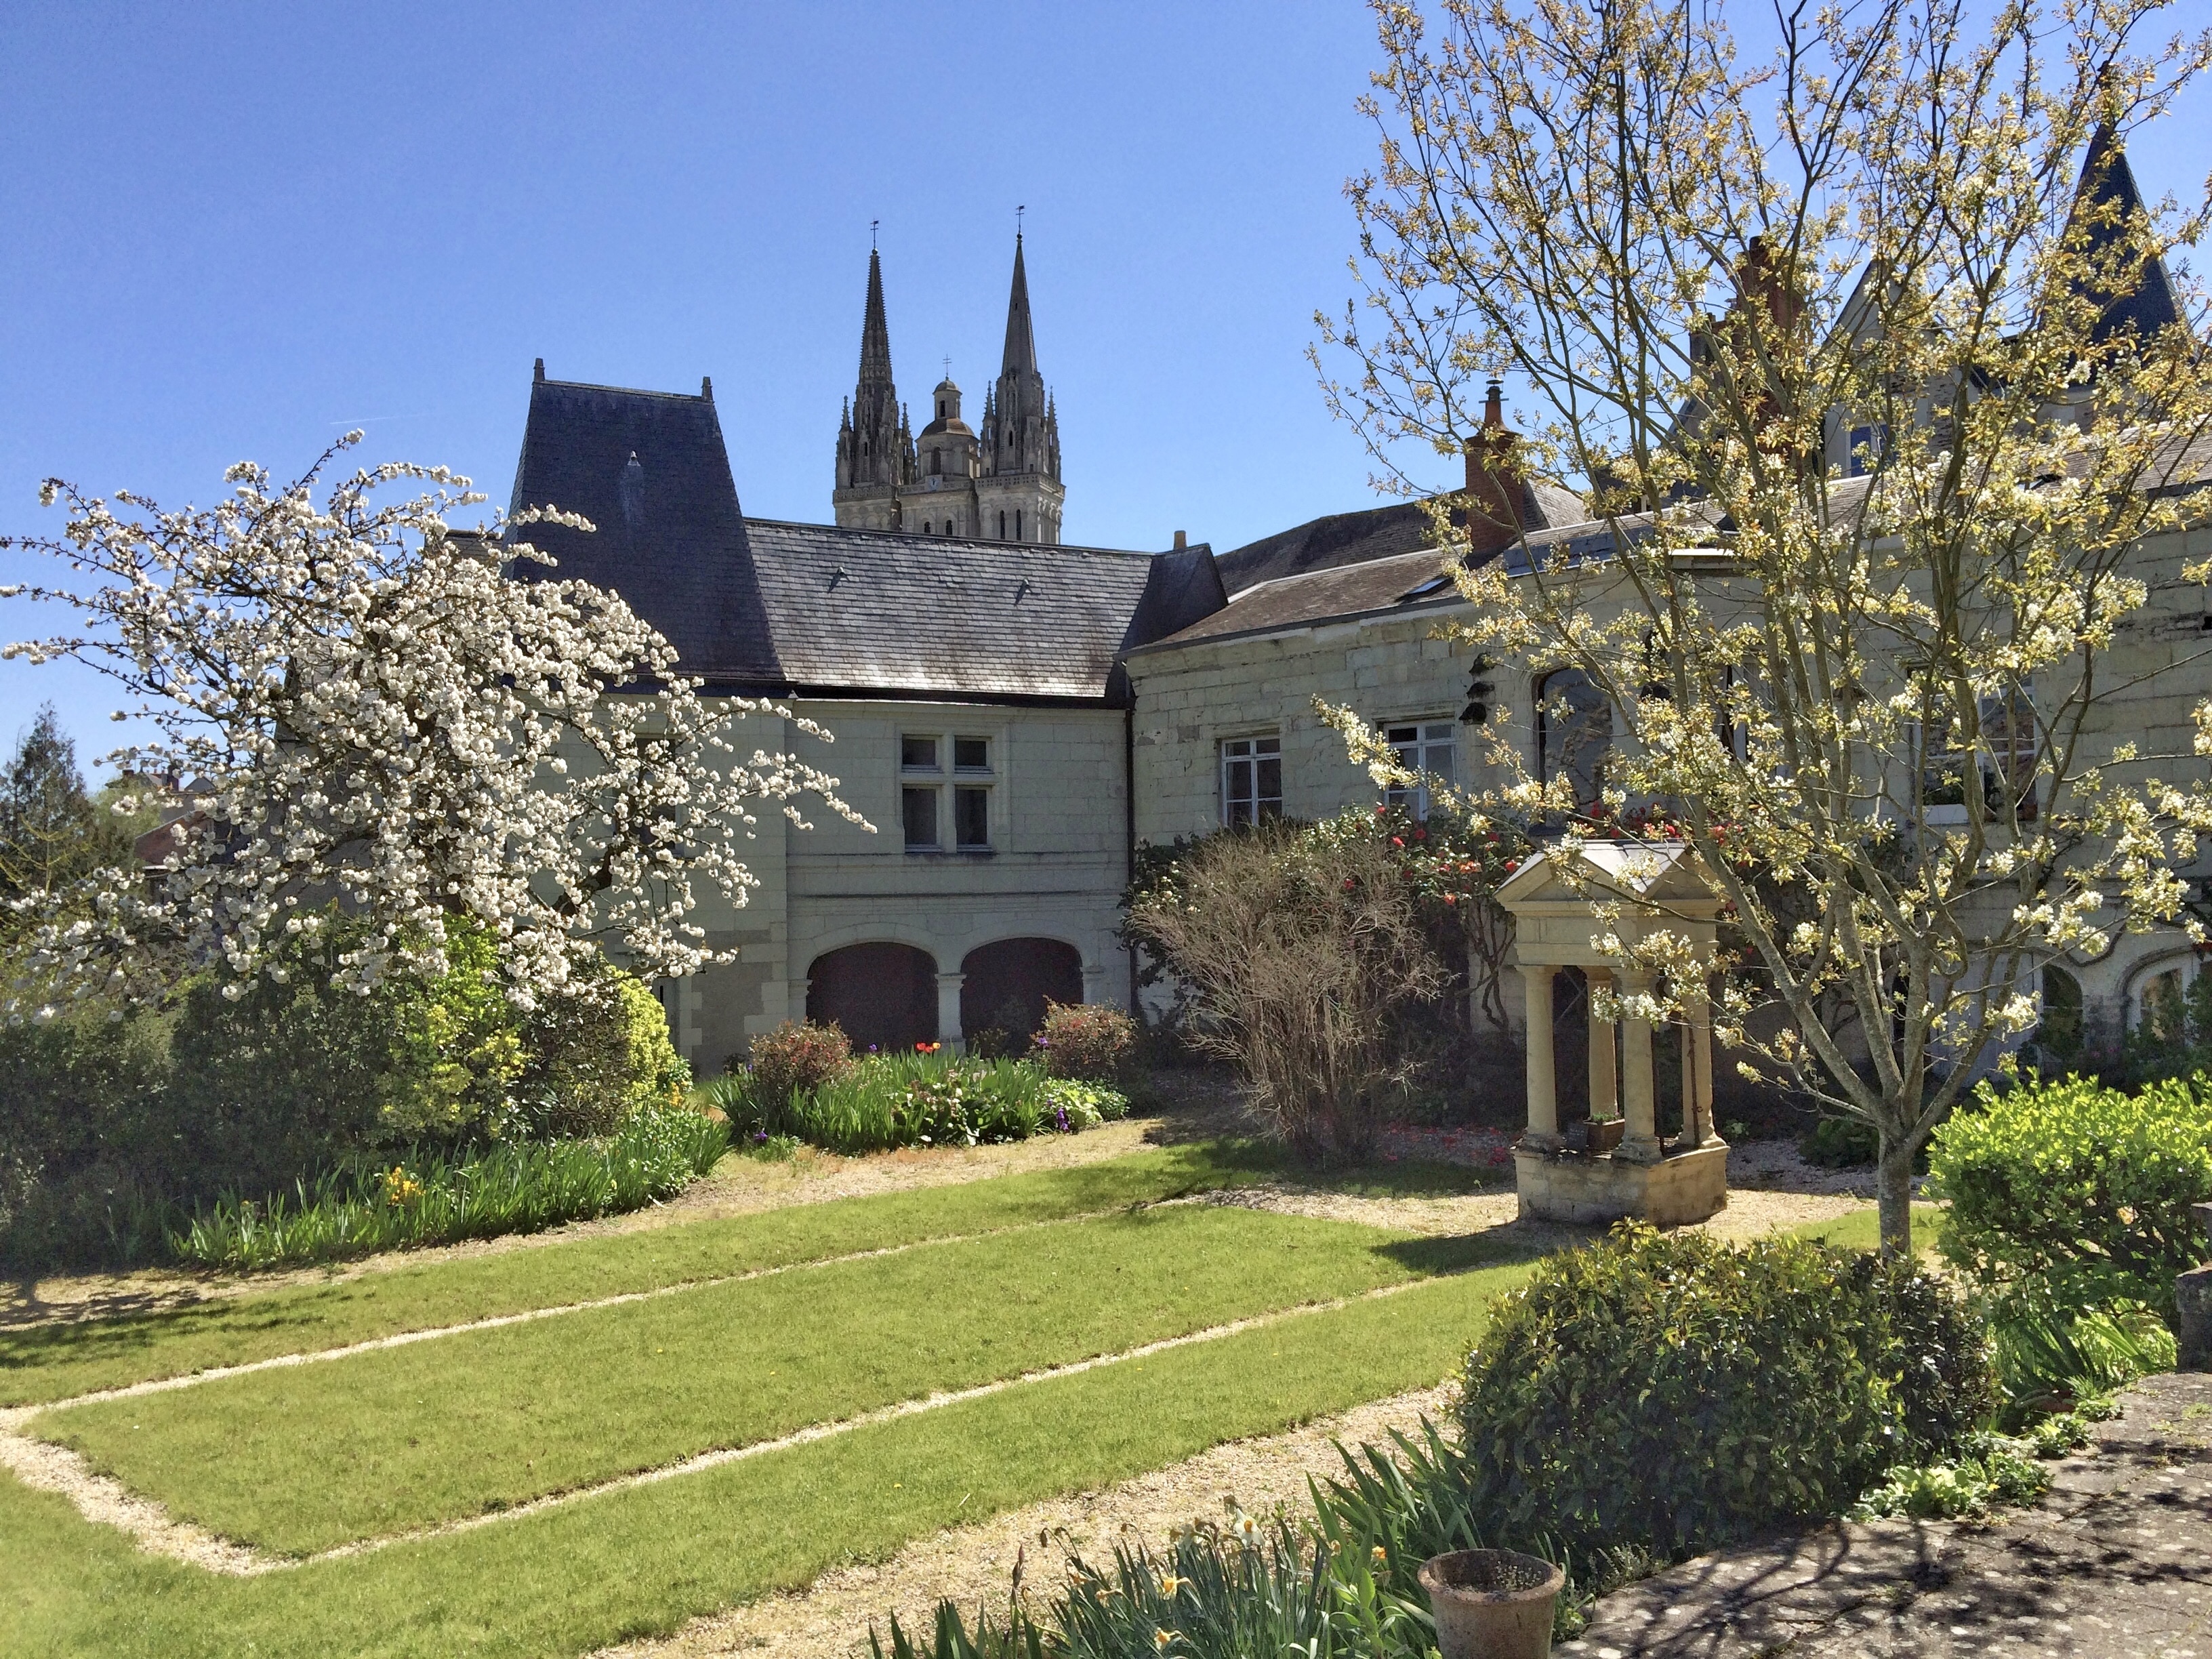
(359, 705)
(1878, 412)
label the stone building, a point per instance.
(1000, 483)
(973, 690)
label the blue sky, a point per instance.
(235, 231)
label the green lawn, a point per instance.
(987, 1282)
(57, 1362)
(643, 1559)
(404, 1437)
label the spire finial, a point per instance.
(872, 224)
(1018, 211)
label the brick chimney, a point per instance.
(1494, 483)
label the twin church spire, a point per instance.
(1000, 483)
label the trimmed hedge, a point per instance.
(1672, 1392)
(2075, 1195)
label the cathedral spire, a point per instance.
(1021, 340)
(875, 333)
(874, 449)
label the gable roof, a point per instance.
(1377, 532)
(816, 609)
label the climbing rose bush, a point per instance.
(355, 702)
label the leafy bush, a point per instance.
(796, 1058)
(1301, 949)
(1087, 1041)
(425, 1197)
(597, 1053)
(2076, 1195)
(283, 1077)
(1668, 1392)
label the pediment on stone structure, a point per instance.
(1669, 876)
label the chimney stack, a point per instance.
(1181, 541)
(1494, 483)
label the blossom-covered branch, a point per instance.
(355, 703)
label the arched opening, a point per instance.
(2058, 1035)
(1574, 734)
(883, 995)
(1017, 524)
(1007, 981)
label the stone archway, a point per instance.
(1005, 984)
(883, 995)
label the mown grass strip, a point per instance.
(301, 1460)
(44, 1363)
(643, 1560)
(1861, 1229)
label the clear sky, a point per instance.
(234, 231)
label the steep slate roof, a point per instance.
(668, 535)
(2106, 179)
(1377, 532)
(817, 609)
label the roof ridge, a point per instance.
(971, 541)
(628, 391)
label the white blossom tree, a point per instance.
(355, 704)
(1879, 417)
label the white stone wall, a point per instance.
(1056, 868)
(1389, 668)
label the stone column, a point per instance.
(1698, 1068)
(1604, 1082)
(1639, 1143)
(948, 1013)
(1543, 1133)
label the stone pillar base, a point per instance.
(1563, 1187)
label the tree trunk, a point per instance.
(1893, 1193)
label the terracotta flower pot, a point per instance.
(1493, 1604)
(1605, 1133)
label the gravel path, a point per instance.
(974, 1565)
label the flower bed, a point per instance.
(426, 1198)
(928, 1098)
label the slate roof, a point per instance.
(1402, 584)
(1377, 532)
(815, 610)
(881, 612)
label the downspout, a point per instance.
(1129, 822)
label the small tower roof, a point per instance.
(2108, 181)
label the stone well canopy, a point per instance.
(1590, 906)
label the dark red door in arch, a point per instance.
(1007, 982)
(883, 995)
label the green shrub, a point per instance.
(1668, 1392)
(294, 1075)
(1086, 1041)
(796, 1058)
(2077, 1194)
(1839, 1143)
(599, 1051)
(425, 1197)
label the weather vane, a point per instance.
(1018, 220)
(872, 223)
(948, 368)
